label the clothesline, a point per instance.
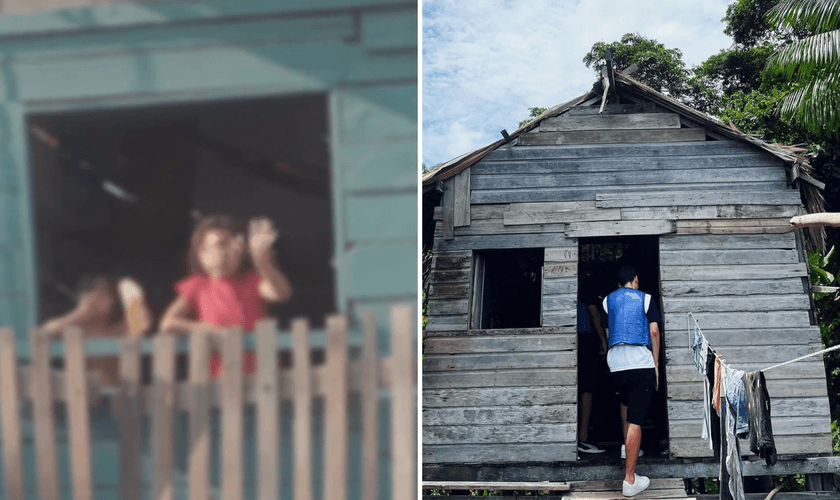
(697, 326)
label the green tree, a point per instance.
(534, 112)
(812, 63)
(659, 67)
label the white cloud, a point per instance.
(486, 62)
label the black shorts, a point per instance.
(635, 387)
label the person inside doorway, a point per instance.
(633, 359)
(592, 344)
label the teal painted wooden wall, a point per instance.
(362, 54)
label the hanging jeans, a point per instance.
(731, 474)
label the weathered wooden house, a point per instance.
(517, 228)
(120, 120)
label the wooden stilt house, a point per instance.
(622, 174)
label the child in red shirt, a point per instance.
(222, 291)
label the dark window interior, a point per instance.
(599, 261)
(511, 290)
(119, 191)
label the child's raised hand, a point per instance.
(261, 235)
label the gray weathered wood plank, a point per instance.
(727, 242)
(335, 409)
(450, 276)
(696, 197)
(781, 407)
(709, 212)
(268, 411)
(462, 198)
(733, 320)
(562, 270)
(793, 371)
(754, 353)
(612, 137)
(624, 151)
(559, 318)
(499, 396)
(199, 416)
(557, 255)
(513, 343)
(557, 286)
(451, 322)
(733, 287)
(78, 423)
(559, 303)
(727, 257)
(526, 179)
(500, 415)
(10, 417)
(785, 445)
(448, 203)
(635, 121)
(750, 303)
(495, 486)
(497, 226)
(543, 377)
(498, 361)
(645, 161)
(302, 410)
(507, 332)
(449, 290)
(448, 306)
(704, 193)
(530, 216)
(612, 109)
(618, 228)
(498, 435)
(750, 336)
(505, 241)
(733, 272)
(805, 388)
(490, 454)
(452, 261)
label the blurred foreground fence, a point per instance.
(150, 414)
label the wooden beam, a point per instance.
(816, 220)
(615, 228)
(613, 137)
(611, 76)
(496, 486)
(449, 209)
(640, 121)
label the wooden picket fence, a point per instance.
(334, 380)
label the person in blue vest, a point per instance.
(633, 358)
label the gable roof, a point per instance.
(799, 167)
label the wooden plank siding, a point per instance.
(755, 316)
(719, 209)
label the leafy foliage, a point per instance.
(824, 269)
(659, 67)
(534, 112)
(812, 63)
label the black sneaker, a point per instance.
(585, 447)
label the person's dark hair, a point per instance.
(91, 281)
(626, 274)
(209, 223)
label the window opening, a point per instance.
(507, 291)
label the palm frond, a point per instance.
(818, 15)
(816, 103)
(806, 57)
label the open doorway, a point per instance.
(119, 192)
(598, 264)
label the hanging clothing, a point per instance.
(731, 473)
(714, 423)
(716, 391)
(701, 353)
(736, 396)
(758, 404)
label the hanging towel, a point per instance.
(758, 404)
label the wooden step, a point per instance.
(611, 490)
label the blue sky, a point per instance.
(486, 62)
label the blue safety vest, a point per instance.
(628, 322)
